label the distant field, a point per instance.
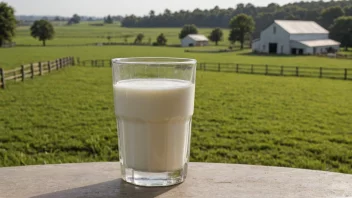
(84, 34)
(349, 52)
(14, 57)
(67, 116)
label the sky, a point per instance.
(121, 7)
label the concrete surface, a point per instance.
(93, 180)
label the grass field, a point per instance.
(14, 57)
(67, 116)
(84, 34)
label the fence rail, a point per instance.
(261, 69)
(33, 69)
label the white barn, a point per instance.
(194, 40)
(294, 37)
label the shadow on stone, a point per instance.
(114, 188)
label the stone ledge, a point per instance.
(204, 180)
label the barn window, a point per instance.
(274, 30)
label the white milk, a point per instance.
(154, 117)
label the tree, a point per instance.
(216, 35)
(329, 15)
(341, 30)
(152, 14)
(7, 23)
(139, 38)
(75, 19)
(188, 29)
(108, 20)
(125, 38)
(167, 12)
(161, 40)
(233, 36)
(43, 30)
(348, 10)
(243, 24)
(109, 38)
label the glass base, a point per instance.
(150, 179)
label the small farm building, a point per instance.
(194, 40)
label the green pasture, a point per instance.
(14, 57)
(68, 116)
(87, 34)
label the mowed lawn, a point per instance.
(14, 57)
(67, 116)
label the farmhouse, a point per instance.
(194, 40)
(294, 37)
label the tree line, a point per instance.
(322, 12)
(242, 26)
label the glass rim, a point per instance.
(155, 61)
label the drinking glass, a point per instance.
(154, 103)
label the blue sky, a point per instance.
(120, 7)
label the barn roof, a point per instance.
(198, 37)
(319, 43)
(301, 27)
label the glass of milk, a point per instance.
(154, 102)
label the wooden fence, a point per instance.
(261, 69)
(33, 69)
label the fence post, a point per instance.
(345, 73)
(2, 78)
(92, 62)
(282, 70)
(103, 62)
(320, 72)
(96, 63)
(32, 71)
(22, 72)
(49, 67)
(15, 77)
(218, 67)
(297, 71)
(266, 69)
(252, 69)
(78, 61)
(205, 67)
(73, 61)
(57, 64)
(40, 68)
(237, 68)
(60, 63)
